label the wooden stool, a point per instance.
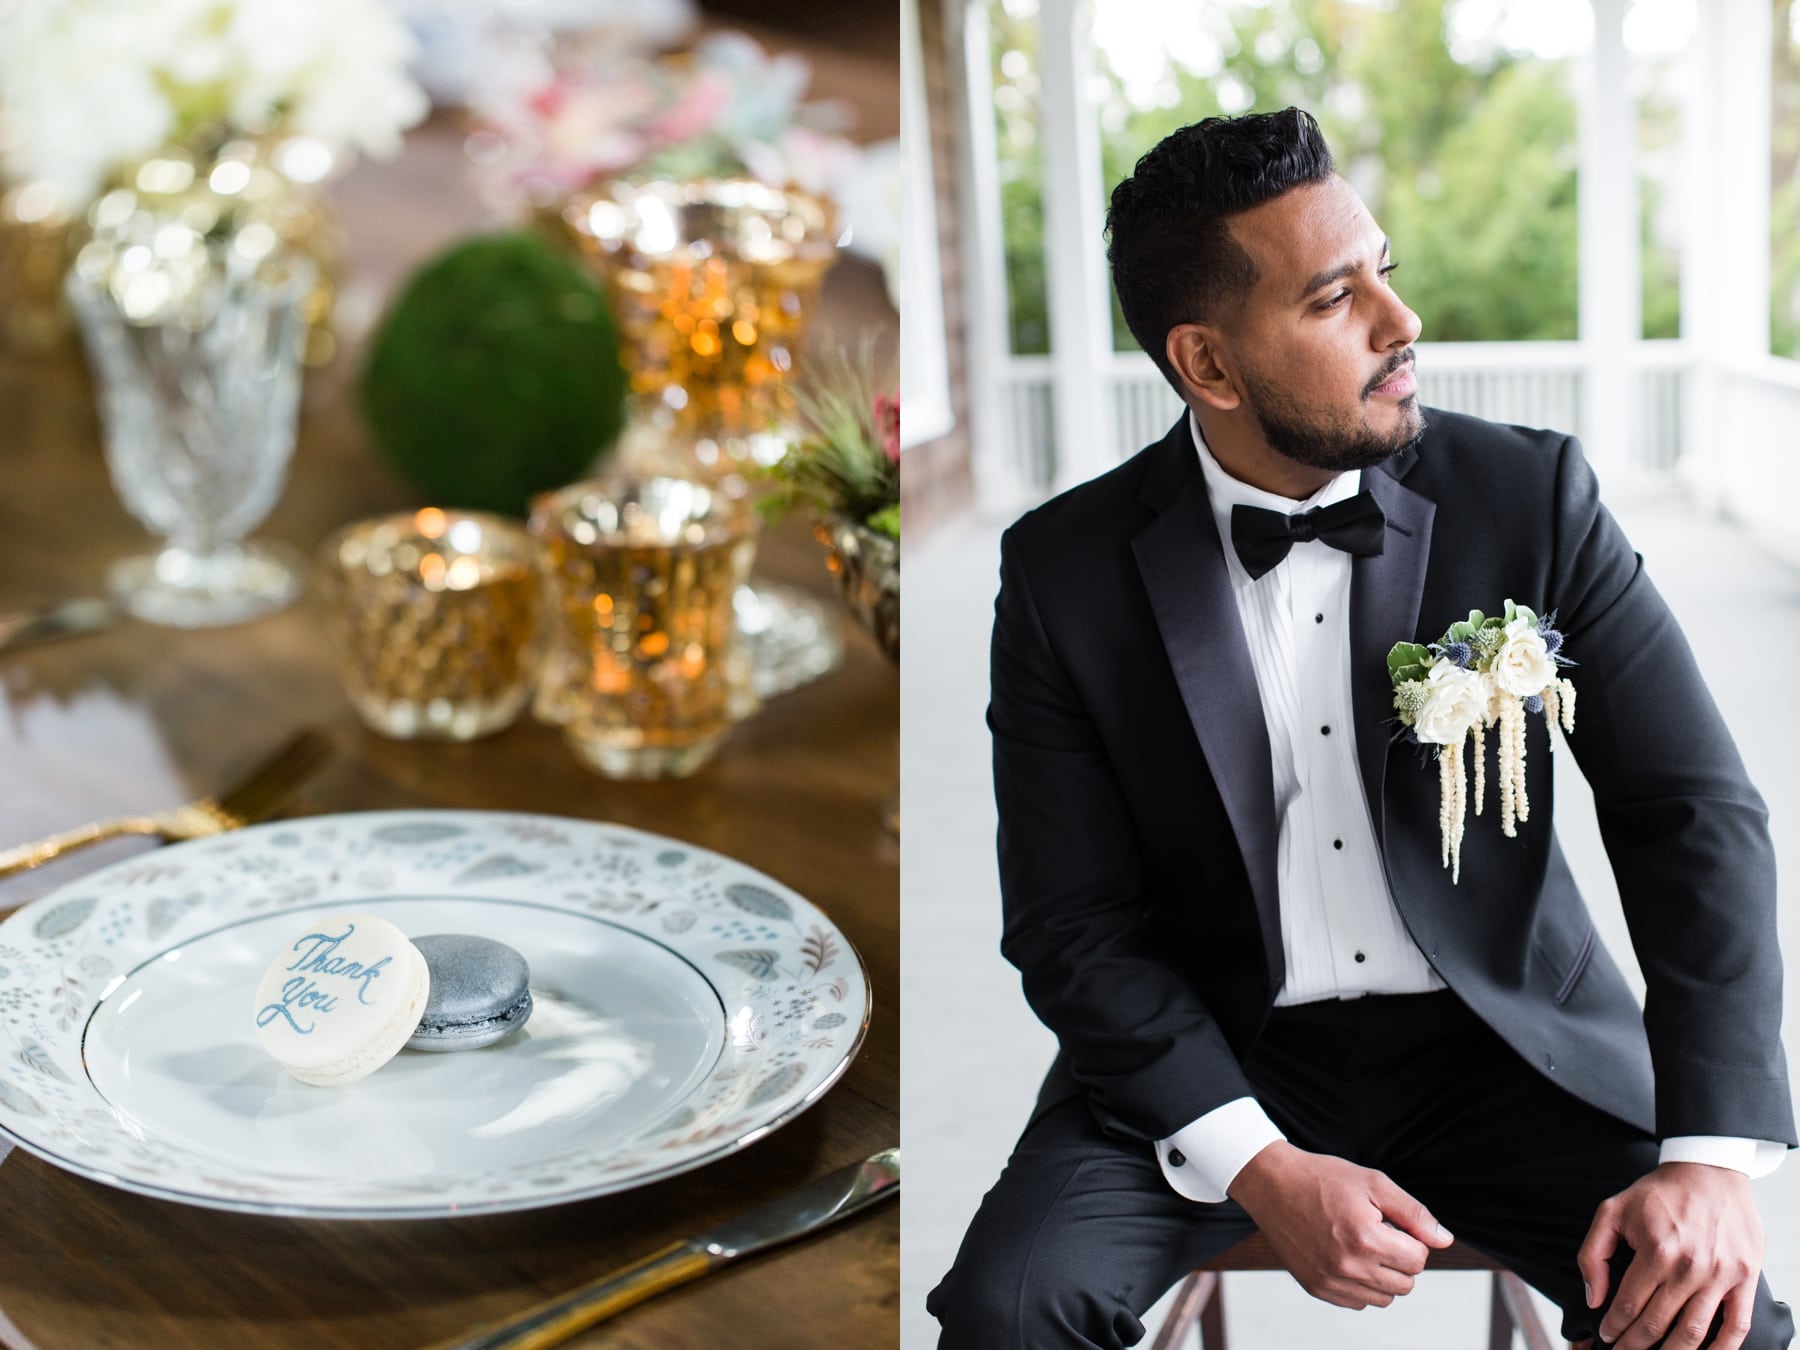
(1200, 1302)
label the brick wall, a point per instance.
(935, 478)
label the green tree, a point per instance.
(1469, 165)
(1013, 45)
(1784, 187)
(1659, 144)
(1484, 229)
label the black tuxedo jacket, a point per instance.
(1137, 836)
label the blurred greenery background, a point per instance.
(1458, 127)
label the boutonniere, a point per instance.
(1486, 671)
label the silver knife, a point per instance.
(816, 1205)
(72, 618)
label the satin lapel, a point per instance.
(1182, 563)
(1385, 591)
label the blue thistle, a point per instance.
(1534, 703)
(1553, 640)
(1457, 653)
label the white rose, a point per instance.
(1455, 701)
(1523, 666)
(1496, 696)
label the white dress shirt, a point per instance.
(1341, 935)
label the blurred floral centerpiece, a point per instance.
(698, 186)
(845, 470)
(187, 138)
(189, 131)
(727, 109)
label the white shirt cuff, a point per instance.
(1202, 1159)
(1753, 1157)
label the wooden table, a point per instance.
(141, 718)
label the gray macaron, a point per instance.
(480, 993)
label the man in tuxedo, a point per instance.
(1221, 868)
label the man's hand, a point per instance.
(1697, 1244)
(1348, 1234)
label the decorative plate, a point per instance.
(685, 1005)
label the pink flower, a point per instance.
(694, 113)
(887, 425)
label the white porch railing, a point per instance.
(1746, 459)
(1536, 384)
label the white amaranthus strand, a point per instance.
(1550, 712)
(1458, 810)
(1521, 801)
(1444, 791)
(1567, 691)
(1508, 747)
(1479, 732)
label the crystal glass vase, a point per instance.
(198, 380)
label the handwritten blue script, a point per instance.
(302, 994)
(317, 958)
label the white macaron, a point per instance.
(341, 998)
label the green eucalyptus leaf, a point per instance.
(1403, 654)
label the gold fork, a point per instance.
(256, 798)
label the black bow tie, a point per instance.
(1263, 538)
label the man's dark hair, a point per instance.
(1172, 255)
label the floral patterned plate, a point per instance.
(685, 1006)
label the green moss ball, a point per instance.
(495, 375)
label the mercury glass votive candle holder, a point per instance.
(437, 620)
(646, 661)
(713, 282)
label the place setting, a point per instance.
(662, 1006)
(586, 1009)
(504, 706)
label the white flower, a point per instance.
(1523, 666)
(1496, 697)
(1455, 701)
(88, 86)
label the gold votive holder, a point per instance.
(646, 661)
(436, 616)
(34, 257)
(713, 283)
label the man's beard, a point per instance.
(1320, 443)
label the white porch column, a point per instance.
(1724, 228)
(1075, 263)
(1001, 488)
(1610, 267)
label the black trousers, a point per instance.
(1082, 1234)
